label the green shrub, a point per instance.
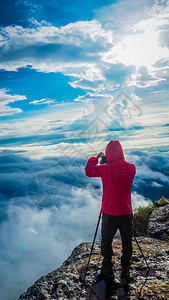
(140, 221)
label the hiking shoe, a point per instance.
(111, 283)
(109, 278)
(111, 287)
(125, 272)
(100, 277)
(109, 292)
(125, 277)
(106, 271)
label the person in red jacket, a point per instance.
(117, 177)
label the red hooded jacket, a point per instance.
(117, 178)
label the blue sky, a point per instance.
(64, 65)
(73, 76)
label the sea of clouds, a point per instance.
(48, 206)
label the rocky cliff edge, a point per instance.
(66, 281)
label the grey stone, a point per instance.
(158, 225)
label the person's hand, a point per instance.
(101, 154)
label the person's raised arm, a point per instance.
(91, 169)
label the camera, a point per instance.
(104, 160)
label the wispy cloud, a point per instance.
(6, 99)
(89, 123)
(43, 101)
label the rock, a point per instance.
(65, 282)
(158, 224)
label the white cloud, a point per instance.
(140, 39)
(143, 49)
(88, 50)
(6, 99)
(148, 42)
(42, 101)
(144, 78)
(122, 16)
(96, 96)
(88, 124)
(85, 38)
(47, 122)
(145, 172)
(139, 200)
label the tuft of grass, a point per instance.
(140, 220)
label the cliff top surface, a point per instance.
(153, 283)
(65, 282)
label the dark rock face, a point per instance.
(65, 282)
(158, 225)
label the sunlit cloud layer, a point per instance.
(86, 49)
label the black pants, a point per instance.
(110, 225)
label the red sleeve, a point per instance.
(91, 169)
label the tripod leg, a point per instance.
(97, 226)
(92, 246)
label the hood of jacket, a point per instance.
(114, 151)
